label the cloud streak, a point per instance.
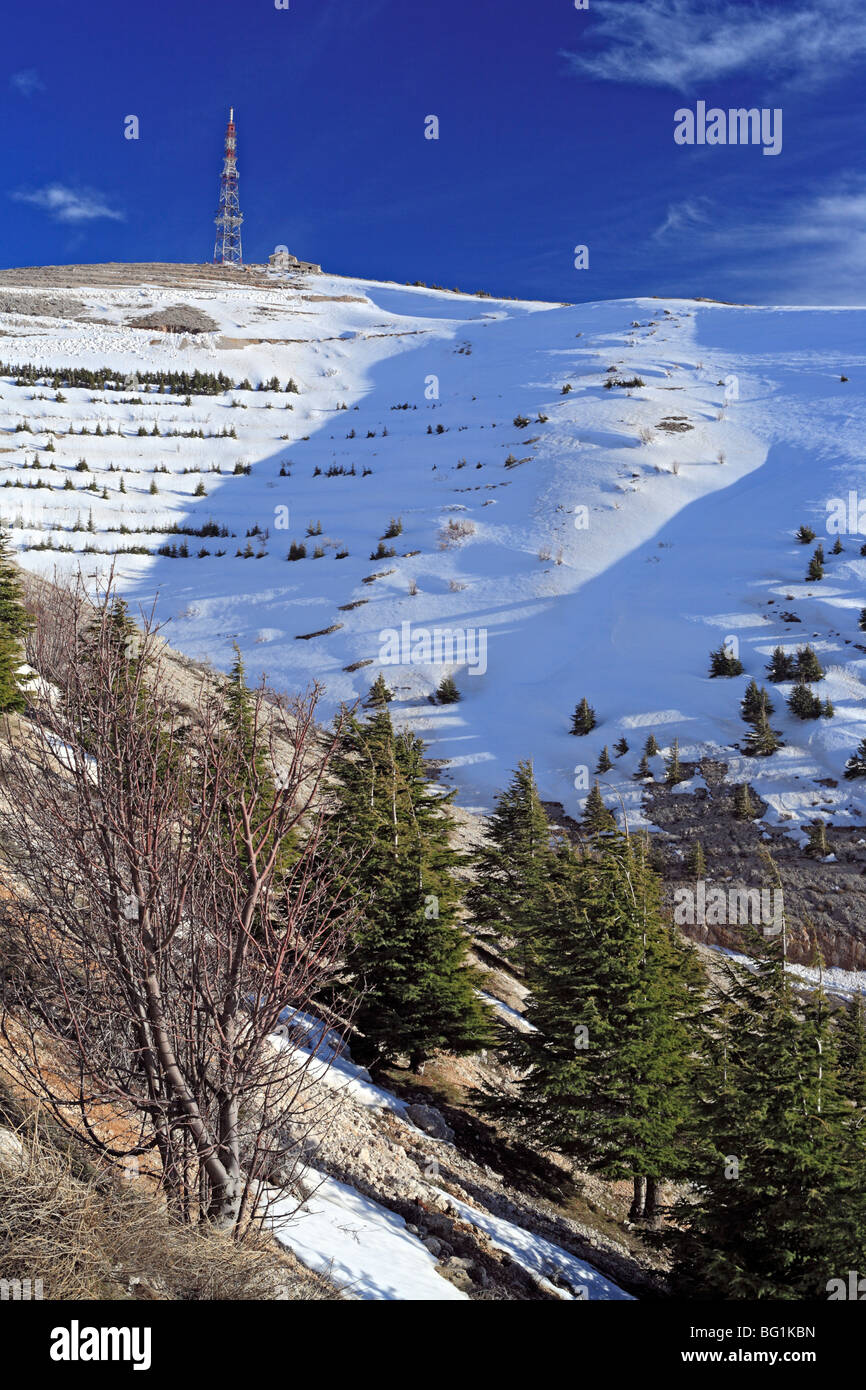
(813, 252)
(684, 216)
(65, 204)
(26, 82)
(681, 43)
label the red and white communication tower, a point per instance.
(227, 248)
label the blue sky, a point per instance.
(555, 130)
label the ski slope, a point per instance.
(601, 549)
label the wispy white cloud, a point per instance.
(824, 246)
(26, 82)
(680, 43)
(811, 250)
(69, 204)
(686, 215)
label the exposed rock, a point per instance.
(12, 1157)
(427, 1118)
(176, 318)
(41, 305)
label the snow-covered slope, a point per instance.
(599, 546)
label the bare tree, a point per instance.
(166, 909)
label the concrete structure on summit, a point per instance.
(283, 260)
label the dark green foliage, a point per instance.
(596, 817)
(805, 535)
(724, 663)
(606, 1076)
(390, 839)
(697, 861)
(761, 741)
(777, 1205)
(804, 703)
(816, 567)
(674, 771)
(651, 748)
(781, 667)
(107, 379)
(809, 667)
(856, 764)
(851, 1033)
(447, 692)
(14, 625)
(382, 552)
(604, 762)
(755, 702)
(620, 747)
(744, 803)
(507, 896)
(583, 720)
(380, 695)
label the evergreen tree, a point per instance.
(506, 898)
(596, 816)
(11, 694)
(15, 622)
(620, 747)
(818, 846)
(674, 771)
(837, 547)
(697, 861)
(605, 1077)
(816, 568)
(410, 986)
(851, 1032)
(379, 695)
(744, 805)
(777, 1207)
(583, 719)
(754, 702)
(651, 748)
(724, 663)
(761, 741)
(781, 666)
(14, 618)
(862, 620)
(805, 535)
(856, 764)
(643, 769)
(809, 667)
(252, 780)
(829, 709)
(804, 703)
(447, 692)
(604, 761)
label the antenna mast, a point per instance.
(227, 248)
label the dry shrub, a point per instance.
(92, 1235)
(455, 531)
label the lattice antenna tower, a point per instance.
(227, 247)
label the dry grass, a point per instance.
(93, 1235)
(455, 531)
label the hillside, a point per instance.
(342, 479)
(570, 537)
